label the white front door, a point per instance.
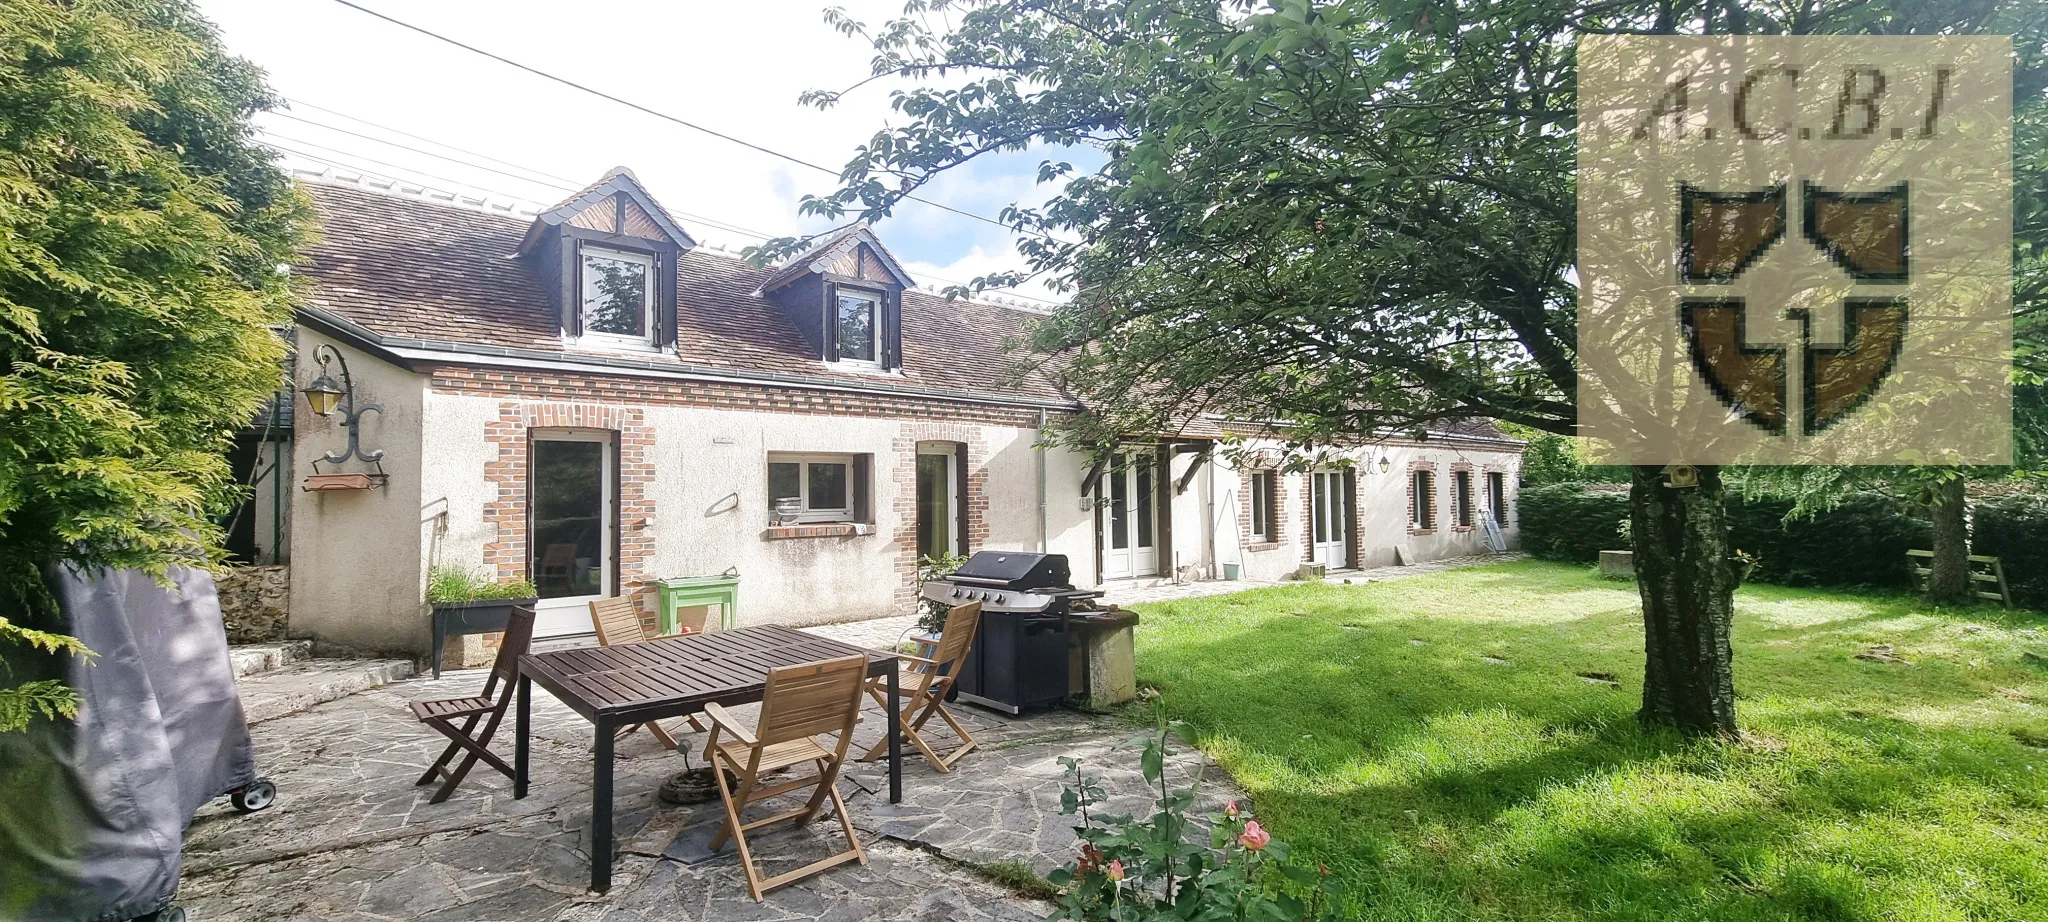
(571, 494)
(1129, 518)
(1329, 512)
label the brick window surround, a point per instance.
(1436, 509)
(1470, 510)
(1275, 508)
(505, 550)
(903, 473)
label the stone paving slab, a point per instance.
(291, 688)
(351, 837)
(257, 658)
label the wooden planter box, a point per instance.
(484, 616)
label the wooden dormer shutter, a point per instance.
(891, 332)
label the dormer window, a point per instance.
(844, 295)
(618, 302)
(608, 259)
(858, 314)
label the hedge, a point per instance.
(2014, 529)
(1566, 521)
(1862, 542)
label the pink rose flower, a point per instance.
(1116, 870)
(1230, 809)
(1255, 837)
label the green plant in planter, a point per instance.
(1133, 870)
(931, 615)
(450, 583)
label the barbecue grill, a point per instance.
(1019, 657)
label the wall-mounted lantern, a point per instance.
(325, 396)
(1386, 463)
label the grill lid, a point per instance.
(1016, 570)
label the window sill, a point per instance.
(865, 369)
(611, 346)
(1265, 546)
(818, 530)
(1421, 531)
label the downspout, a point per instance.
(1209, 528)
(1038, 446)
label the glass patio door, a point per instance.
(938, 503)
(1129, 519)
(570, 501)
(1330, 515)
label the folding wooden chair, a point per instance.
(799, 704)
(925, 686)
(487, 708)
(617, 621)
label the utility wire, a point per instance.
(407, 134)
(670, 118)
(701, 219)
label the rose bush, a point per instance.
(1134, 870)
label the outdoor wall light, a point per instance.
(1386, 464)
(325, 397)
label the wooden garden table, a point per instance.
(672, 677)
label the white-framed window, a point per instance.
(1421, 504)
(858, 328)
(822, 485)
(617, 291)
(1264, 527)
(1461, 497)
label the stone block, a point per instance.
(1618, 564)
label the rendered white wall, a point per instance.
(356, 579)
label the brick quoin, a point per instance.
(1436, 508)
(506, 551)
(904, 475)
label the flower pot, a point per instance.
(1230, 571)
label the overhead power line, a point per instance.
(341, 159)
(667, 117)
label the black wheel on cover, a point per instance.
(259, 795)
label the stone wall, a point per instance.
(254, 602)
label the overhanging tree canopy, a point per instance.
(1352, 216)
(140, 231)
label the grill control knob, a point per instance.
(1000, 598)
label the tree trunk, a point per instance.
(1688, 587)
(1950, 581)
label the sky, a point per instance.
(733, 67)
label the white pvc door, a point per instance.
(1329, 513)
(571, 494)
(1130, 520)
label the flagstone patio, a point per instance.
(351, 837)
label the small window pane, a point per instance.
(615, 294)
(857, 328)
(828, 486)
(784, 480)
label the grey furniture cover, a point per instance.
(93, 813)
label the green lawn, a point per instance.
(1373, 732)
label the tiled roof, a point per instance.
(403, 266)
